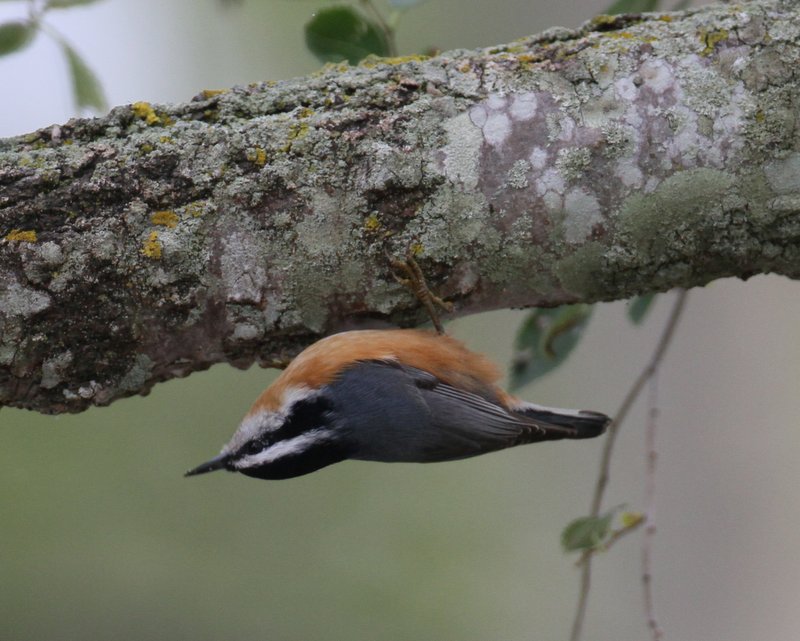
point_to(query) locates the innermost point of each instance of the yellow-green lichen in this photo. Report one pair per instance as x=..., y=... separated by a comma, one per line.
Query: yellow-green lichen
x=711, y=38
x=152, y=246
x=305, y=112
x=297, y=131
x=604, y=21
x=165, y=218
x=195, y=209
x=257, y=155
x=529, y=58
x=210, y=115
x=331, y=67
x=372, y=223
x=518, y=46
x=373, y=61
x=146, y=112
x=210, y=93
x=21, y=236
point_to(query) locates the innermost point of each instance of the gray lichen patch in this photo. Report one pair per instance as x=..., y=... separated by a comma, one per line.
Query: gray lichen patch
x=243, y=267
x=453, y=221
x=572, y=163
x=461, y=156
x=517, y=177
x=137, y=374
x=390, y=167
x=577, y=272
x=17, y=300
x=55, y=369
x=678, y=199
x=582, y=213
x=783, y=174
x=329, y=230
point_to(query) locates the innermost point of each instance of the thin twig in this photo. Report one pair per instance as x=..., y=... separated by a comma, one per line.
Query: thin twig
x=608, y=448
x=633, y=394
x=650, y=511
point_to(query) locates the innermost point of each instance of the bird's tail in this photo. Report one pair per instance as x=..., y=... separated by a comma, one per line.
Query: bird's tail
x=562, y=423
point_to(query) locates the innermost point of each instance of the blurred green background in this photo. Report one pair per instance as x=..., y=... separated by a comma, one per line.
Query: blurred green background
x=101, y=537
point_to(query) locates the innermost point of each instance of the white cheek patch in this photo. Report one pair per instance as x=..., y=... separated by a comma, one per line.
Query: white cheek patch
x=281, y=449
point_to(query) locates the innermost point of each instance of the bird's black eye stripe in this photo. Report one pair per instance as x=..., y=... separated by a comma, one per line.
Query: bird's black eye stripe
x=304, y=415
x=253, y=447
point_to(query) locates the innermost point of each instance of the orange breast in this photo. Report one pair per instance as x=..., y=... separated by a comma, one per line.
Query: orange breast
x=442, y=356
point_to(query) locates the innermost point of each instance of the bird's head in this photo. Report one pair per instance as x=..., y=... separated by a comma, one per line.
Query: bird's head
x=293, y=439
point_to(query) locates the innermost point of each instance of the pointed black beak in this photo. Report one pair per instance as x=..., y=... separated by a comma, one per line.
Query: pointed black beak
x=219, y=463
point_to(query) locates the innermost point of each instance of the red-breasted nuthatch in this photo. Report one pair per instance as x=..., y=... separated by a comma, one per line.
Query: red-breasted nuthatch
x=387, y=395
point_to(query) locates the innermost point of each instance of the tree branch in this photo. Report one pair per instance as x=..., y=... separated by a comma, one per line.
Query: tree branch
x=634, y=154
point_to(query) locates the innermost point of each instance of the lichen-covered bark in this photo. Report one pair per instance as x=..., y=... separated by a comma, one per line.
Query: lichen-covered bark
x=635, y=154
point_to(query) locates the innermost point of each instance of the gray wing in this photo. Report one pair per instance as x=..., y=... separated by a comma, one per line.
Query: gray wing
x=480, y=424
x=399, y=413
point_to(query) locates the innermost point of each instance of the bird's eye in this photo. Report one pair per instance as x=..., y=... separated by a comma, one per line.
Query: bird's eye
x=253, y=447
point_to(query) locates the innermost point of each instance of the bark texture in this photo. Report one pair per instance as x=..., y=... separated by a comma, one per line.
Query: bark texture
x=638, y=153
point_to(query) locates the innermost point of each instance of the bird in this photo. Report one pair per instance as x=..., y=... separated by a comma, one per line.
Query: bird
x=394, y=395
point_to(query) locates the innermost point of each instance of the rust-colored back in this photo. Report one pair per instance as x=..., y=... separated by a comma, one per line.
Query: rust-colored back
x=443, y=356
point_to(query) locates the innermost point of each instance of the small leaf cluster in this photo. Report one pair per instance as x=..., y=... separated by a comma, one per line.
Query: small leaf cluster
x=595, y=533
x=344, y=33
x=547, y=336
x=347, y=33
x=15, y=35
x=545, y=339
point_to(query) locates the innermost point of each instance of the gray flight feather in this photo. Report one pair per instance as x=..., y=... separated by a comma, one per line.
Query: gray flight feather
x=421, y=419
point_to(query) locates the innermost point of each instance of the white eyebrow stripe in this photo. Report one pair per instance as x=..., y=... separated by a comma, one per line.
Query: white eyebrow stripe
x=280, y=449
x=265, y=422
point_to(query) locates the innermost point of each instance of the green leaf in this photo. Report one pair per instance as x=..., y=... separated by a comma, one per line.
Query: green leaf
x=341, y=33
x=639, y=306
x=545, y=339
x=65, y=4
x=587, y=532
x=15, y=36
x=86, y=87
x=631, y=6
